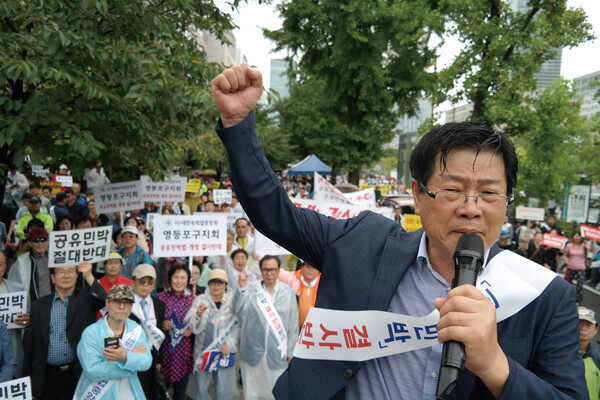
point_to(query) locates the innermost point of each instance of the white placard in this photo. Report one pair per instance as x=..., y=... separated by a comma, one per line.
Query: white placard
x=579, y=204
x=530, y=213
x=231, y=218
x=221, y=196
x=324, y=191
x=39, y=170
x=169, y=189
x=263, y=246
x=150, y=220
x=190, y=235
x=12, y=304
x=68, y=248
x=339, y=210
x=363, y=197
x=65, y=181
x=16, y=389
x=122, y=196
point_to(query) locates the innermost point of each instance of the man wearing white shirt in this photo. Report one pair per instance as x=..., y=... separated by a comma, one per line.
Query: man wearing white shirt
x=143, y=282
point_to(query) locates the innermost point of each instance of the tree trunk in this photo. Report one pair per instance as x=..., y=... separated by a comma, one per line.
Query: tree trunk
x=333, y=179
x=354, y=176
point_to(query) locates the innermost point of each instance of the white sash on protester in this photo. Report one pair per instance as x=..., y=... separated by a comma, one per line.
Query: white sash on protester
x=97, y=389
x=273, y=319
x=509, y=281
x=216, y=344
x=155, y=335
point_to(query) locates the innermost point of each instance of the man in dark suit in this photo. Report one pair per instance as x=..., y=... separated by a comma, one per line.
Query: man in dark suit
x=57, y=321
x=463, y=178
x=153, y=311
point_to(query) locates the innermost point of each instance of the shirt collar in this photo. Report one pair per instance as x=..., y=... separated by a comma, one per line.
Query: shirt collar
x=423, y=256
x=138, y=299
x=56, y=296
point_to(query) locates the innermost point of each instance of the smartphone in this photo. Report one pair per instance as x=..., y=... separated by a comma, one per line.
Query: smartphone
x=111, y=341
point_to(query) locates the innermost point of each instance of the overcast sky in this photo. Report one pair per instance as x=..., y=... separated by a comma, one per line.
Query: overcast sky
x=251, y=17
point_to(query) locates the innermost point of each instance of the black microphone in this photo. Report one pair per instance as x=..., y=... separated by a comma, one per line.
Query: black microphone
x=468, y=258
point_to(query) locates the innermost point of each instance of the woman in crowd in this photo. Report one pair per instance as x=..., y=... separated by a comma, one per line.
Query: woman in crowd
x=536, y=252
x=65, y=223
x=195, y=287
x=575, y=263
x=176, y=351
x=92, y=207
x=212, y=322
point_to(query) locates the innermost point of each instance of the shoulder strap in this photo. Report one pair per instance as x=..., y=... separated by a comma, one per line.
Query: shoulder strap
x=141, y=256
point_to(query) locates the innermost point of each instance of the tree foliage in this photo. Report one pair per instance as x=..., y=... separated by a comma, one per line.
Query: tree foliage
x=123, y=81
x=359, y=66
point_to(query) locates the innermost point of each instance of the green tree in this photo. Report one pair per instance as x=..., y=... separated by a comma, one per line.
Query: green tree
x=359, y=66
x=503, y=48
x=118, y=80
x=552, y=139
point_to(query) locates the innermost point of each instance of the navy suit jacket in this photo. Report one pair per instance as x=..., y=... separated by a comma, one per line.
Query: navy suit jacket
x=363, y=260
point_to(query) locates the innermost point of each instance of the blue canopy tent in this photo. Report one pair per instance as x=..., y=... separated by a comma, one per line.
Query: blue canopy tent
x=310, y=165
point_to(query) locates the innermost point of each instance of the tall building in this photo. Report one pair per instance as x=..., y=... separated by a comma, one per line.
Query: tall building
x=459, y=113
x=279, y=79
x=218, y=51
x=590, y=106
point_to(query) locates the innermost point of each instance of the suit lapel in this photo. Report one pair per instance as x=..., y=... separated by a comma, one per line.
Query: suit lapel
x=72, y=308
x=45, y=310
x=398, y=255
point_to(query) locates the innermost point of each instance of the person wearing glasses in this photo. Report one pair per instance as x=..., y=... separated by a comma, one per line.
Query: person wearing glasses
x=269, y=313
x=463, y=177
x=56, y=324
x=31, y=268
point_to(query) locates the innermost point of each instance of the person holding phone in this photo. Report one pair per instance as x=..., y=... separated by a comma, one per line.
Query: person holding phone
x=112, y=351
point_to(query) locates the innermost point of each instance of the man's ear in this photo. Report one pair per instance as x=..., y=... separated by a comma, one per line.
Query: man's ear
x=416, y=192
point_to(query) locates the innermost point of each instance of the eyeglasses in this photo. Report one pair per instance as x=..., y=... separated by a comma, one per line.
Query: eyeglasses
x=65, y=273
x=145, y=282
x=216, y=283
x=39, y=240
x=269, y=270
x=489, y=202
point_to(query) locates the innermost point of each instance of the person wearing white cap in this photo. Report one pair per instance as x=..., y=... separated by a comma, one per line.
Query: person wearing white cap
x=217, y=329
x=588, y=328
x=132, y=253
x=112, y=266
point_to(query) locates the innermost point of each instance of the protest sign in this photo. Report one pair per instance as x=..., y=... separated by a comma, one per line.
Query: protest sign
x=555, y=241
x=54, y=186
x=16, y=389
x=193, y=185
x=221, y=196
x=215, y=360
x=324, y=191
x=384, y=189
x=579, y=203
x=190, y=235
x=590, y=232
x=339, y=210
x=12, y=304
x=263, y=246
x=122, y=196
x=40, y=171
x=65, y=180
x=169, y=189
x=150, y=220
x=69, y=248
x=412, y=222
x=530, y=213
x=364, y=197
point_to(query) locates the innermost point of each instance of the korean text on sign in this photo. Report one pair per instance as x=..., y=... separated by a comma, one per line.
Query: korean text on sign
x=121, y=196
x=16, y=389
x=12, y=304
x=69, y=248
x=190, y=235
x=170, y=189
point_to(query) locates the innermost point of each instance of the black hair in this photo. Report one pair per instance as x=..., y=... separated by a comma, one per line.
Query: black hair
x=236, y=251
x=209, y=201
x=26, y=195
x=60, y=196
x=34, y=185
x=242, y=219
x=63, y=217
x=269, y=257
x=85, y=218
x=35, y=223
x=69, y=191
x=437, y=144
x=179, y=267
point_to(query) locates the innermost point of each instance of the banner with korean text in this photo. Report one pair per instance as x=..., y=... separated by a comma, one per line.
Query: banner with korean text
x=169, y=189
x=190, y=235
x=12, y=304
x=555, y=241
x=65, y=180
x=326, y=192
x=122, y=196
x=529, y=213
x=589, y=232
x=68, y=248
x=16, y=389
x=339, y=210
x=221, y=196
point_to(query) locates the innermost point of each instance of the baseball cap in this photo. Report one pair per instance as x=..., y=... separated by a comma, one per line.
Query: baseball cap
x=587, y=315
x=120, y=292
x=62, y=166
x=144, y=270
x=129, y=229
x=217, y=274
x=115, y=256
x=37, y=233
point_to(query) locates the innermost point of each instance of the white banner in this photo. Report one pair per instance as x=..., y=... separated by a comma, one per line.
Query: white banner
x=221, y=196
x=263, y=246
x=324, y=191
x=150, y=220
x=509, y=281
x=69, y=248
x=340, y=211
x=190, y=235
x=579, y=204
x=231, y=218
x=39, y=170
x=364, y=198
x=530, y=213
x=12, y=304
x=169, y=189
x=65, y=180
x=16, y=389
x=122, y=196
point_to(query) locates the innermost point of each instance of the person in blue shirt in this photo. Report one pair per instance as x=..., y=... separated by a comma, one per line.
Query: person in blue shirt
x=7, y=357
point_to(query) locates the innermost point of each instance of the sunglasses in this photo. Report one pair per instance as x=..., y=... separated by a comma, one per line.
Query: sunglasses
x=140, y=223
x=39, y=240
